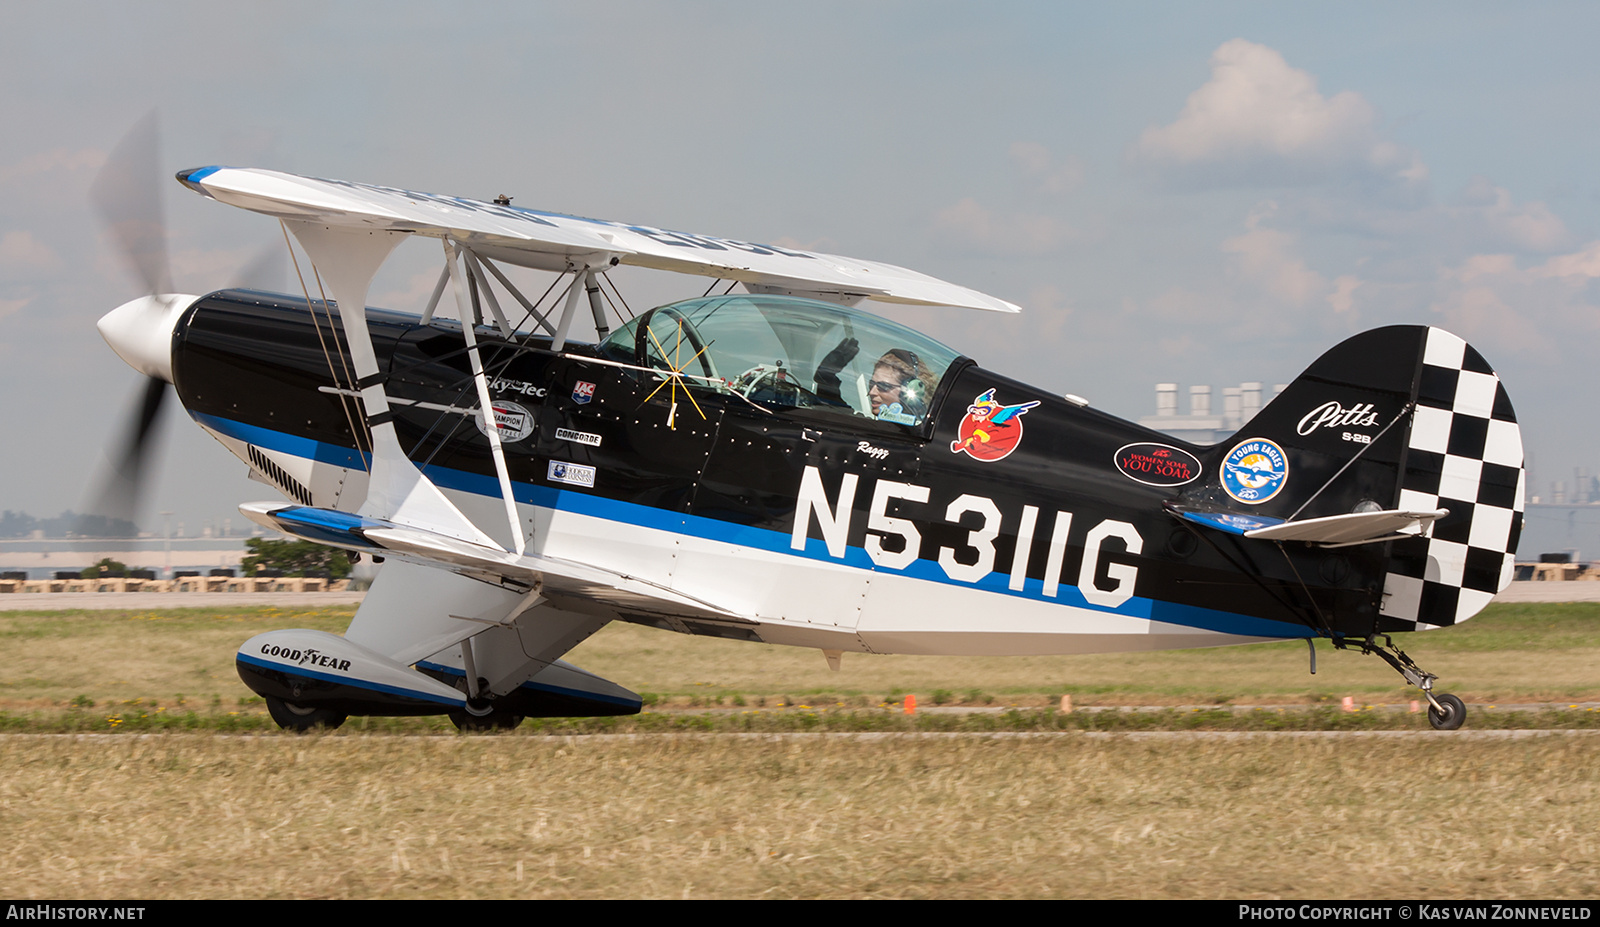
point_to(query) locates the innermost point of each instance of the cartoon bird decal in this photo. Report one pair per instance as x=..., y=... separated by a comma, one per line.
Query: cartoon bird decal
x=990, y=431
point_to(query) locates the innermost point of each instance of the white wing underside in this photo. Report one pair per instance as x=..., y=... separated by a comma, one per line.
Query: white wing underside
x=550, y=241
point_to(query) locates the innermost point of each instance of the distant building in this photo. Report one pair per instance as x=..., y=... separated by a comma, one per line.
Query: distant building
x=1203, y=424
x=42, y=558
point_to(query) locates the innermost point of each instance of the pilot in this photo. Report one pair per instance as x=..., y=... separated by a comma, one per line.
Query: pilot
x=899, y=379
x=897, y=392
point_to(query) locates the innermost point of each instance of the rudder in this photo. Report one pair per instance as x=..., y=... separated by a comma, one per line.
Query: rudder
x=1407, y=418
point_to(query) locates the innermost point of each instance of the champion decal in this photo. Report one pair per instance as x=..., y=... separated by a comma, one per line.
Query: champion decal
x=514, y=421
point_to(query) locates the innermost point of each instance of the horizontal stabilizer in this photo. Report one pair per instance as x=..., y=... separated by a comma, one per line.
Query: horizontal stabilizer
x=554, y=577
x=1330, y=531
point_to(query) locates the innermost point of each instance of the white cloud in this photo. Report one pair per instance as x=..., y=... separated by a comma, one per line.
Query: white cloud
x=1342, y=299
x=19, y=250
x=1526, y=227
x=81, y=161
x=1547, y=312
x=1265, y=257
x=1040, y=169
x=1260, y=121
x=1583, y=263
x=8, y=306
x=973, y=226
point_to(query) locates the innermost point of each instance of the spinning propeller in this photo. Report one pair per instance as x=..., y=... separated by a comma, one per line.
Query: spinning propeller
x=127, y=195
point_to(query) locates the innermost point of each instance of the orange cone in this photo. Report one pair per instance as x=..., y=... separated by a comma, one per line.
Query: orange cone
x=1349, y=703
x=911, y=704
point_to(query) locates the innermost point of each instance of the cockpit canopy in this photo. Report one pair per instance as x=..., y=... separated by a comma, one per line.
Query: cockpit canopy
x=781, y=351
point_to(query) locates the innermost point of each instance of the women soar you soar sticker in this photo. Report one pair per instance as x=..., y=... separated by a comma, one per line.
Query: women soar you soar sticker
x=1157, y=464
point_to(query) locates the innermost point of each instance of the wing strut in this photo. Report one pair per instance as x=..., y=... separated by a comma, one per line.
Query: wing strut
x=569, y=310
x=348, y=258
x=483, y=287
x=491, y=426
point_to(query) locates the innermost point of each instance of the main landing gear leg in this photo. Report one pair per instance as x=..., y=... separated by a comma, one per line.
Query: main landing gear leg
x=1446, y=712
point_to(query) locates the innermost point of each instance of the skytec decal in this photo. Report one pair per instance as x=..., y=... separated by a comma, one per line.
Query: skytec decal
x=1157, y=464
x=578, y=437
x=582, y=392
x=990, y=431
x=502, y=384
x=572, y=474
x=1333, y=415
x=514, y=421
x=1254, y=471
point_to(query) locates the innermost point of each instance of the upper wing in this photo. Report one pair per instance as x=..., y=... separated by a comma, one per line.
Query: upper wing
x=551, y=241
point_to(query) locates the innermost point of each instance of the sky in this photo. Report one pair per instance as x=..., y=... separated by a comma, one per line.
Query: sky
x=1199, y=193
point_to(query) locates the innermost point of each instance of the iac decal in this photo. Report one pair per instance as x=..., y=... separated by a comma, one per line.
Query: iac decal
x=1254, y=471
x=990, y=431
x=1157, y=464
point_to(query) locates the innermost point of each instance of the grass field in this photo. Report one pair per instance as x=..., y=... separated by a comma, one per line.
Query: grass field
x=173, y=662
x=1063, y=812
x=1422, y=817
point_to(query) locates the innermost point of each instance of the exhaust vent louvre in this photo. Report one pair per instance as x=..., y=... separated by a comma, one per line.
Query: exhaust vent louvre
x=266, y=467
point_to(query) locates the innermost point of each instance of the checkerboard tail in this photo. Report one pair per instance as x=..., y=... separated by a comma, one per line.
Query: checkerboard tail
x=1463, y=452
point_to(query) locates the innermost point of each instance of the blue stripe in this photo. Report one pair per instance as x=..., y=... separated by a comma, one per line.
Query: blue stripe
x=348, y=681
x=308, y=448
x=582, y=694
x=578, y=502
x=201, y=173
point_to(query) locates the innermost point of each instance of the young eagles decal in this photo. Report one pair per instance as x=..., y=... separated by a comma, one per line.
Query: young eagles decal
x=1254, y=471
x=990, y=430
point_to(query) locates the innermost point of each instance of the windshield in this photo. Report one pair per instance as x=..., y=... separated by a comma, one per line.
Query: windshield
x=780, y=351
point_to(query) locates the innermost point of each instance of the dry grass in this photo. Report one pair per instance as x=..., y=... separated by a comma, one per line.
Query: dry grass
x=828, y=817
x=1511, y=653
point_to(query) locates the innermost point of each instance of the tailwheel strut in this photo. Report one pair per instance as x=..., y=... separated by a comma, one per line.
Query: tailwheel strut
x=1446, y=712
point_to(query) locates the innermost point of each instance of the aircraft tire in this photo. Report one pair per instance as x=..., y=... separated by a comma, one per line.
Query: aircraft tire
x=495, y=720
x=1453, y=716
x=292, y=717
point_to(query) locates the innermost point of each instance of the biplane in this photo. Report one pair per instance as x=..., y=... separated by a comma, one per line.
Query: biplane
x=770, y=462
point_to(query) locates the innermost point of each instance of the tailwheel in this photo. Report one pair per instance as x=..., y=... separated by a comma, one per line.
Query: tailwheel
x=1447, y=713
x=302, y=718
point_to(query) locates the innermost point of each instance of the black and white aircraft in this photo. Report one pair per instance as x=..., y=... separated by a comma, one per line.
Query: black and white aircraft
x=778, y=465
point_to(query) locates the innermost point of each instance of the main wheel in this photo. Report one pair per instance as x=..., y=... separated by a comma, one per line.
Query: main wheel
x=292, y=717
x=495, y=720
x=1453, y=715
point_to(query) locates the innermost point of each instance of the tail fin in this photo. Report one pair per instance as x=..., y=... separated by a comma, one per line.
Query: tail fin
x=1409, y=418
